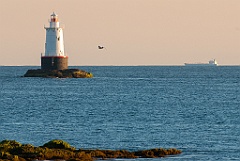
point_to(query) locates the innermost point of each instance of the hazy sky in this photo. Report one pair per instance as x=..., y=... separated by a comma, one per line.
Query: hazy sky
x=135, y=32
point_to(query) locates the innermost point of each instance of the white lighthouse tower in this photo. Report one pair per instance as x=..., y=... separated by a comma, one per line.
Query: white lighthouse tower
x=54, y=57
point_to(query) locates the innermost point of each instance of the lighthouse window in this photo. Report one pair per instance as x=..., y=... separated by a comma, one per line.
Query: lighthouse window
x=58, y=38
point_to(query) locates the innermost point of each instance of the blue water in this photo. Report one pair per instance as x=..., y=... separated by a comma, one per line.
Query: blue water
x=194, y=109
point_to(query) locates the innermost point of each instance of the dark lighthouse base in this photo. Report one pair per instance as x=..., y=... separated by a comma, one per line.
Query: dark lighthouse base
x=54, y=62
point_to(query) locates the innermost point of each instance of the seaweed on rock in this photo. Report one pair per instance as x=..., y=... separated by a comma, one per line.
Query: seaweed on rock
x=58, y=144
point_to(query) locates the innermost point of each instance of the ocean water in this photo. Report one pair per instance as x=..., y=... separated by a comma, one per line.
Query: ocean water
x=194, y=109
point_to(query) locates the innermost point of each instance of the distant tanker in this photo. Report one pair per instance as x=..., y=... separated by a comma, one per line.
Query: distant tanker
x=210, y=63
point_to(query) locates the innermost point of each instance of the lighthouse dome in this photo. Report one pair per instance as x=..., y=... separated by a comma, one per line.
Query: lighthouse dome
x=53, y=14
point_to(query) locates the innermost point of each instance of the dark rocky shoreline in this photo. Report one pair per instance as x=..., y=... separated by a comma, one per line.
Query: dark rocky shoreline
x=66, y=73
x=11, y=150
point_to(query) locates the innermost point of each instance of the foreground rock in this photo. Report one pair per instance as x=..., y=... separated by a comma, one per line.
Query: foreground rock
x=67, y=73
x=61, y=150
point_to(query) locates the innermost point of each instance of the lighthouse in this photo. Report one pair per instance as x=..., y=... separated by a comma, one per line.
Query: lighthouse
x=54, y=62
x=54, y=57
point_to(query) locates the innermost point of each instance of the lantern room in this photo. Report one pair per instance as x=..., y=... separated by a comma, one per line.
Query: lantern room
x=54, y=23
x=54, y=17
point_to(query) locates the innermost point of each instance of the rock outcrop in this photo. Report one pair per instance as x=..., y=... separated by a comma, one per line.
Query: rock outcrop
x=10, y=150
x=67, y=73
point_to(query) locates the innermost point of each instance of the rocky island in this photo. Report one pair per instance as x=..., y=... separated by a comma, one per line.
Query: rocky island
x=65, y=73
x=11, y=150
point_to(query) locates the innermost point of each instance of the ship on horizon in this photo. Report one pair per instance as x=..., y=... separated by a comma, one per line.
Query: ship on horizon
x=210, y=63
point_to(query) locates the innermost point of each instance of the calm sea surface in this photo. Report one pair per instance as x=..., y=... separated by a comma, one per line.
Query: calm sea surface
x=195, y=109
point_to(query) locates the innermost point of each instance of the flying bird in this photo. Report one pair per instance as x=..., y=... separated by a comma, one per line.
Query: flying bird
x=101, y=47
